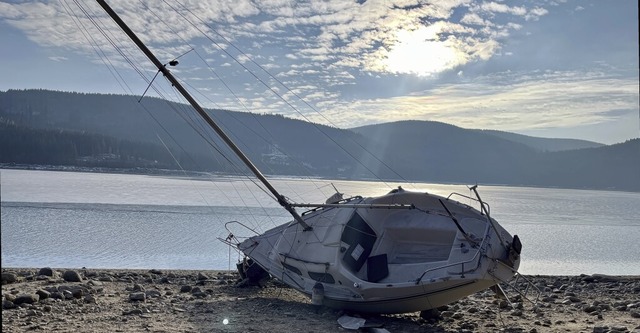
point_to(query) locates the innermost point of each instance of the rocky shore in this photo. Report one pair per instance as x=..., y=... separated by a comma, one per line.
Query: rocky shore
x=101, y=300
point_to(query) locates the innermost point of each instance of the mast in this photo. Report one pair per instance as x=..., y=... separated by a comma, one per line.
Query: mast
x=162, y=68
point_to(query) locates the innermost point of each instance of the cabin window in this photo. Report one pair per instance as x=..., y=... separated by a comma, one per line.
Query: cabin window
x=360, y=238
x=292, y=268
x=322, y=277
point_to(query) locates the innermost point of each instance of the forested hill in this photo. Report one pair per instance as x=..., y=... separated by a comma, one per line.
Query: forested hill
x=455, y=154
x=60, y=128
x=127, y=122
x=544, y=144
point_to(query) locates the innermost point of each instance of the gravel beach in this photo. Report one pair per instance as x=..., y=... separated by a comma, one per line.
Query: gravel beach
x=117, y=300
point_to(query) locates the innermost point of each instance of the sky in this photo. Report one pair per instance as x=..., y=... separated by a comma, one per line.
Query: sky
x=559, y=69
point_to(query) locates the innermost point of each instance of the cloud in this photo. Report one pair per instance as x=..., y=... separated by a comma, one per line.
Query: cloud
x=502, y=8
x=506, y=101
x=364, y=62
x=59, y=58
x=394, y=37
x=535, y=13
x=474, y=19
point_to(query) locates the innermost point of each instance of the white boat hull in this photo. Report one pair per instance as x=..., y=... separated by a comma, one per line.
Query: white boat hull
x=388, y=261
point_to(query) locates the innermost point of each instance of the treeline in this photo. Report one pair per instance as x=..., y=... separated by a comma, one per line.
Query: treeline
x=24, y=145
x=94, y=130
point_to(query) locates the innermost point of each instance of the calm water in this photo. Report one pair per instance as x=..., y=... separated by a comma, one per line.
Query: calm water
x=74, y=219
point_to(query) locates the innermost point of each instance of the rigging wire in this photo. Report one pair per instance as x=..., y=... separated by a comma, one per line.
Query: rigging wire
x=129, y=60
x=94, y=45
x=287, y=89
x=255, y=76
x=271, y=143
x=192, y=123
x=230, y=113
x=264, y=83
x=197, y=121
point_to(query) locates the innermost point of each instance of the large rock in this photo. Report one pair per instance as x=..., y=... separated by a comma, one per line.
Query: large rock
x=76, y=291
x=26, y=298
x=9, y=297
x=6, y=304
x=71, y=276
x=432, y=314
x=138, y=296
x=58, y=295
x=43, y=294
x=67, y=294
x=106, y=278
x=9, y=277
x=590, y=308
x=46, y=271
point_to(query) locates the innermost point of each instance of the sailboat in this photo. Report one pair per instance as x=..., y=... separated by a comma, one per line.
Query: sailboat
x=403, y=251
x=400, y=252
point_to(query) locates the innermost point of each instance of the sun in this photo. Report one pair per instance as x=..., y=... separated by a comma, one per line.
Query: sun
x=421, y=52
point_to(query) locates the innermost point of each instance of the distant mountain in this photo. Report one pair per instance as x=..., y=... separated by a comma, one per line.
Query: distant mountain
x=434, y=151
x=544, y=144
x=441, y=152
x=607, y=167
x=262, y=137
x=49, y=127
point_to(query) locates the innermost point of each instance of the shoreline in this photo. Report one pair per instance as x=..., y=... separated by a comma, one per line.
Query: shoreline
x=233, y=271
x=152, y=300
x=204, y=175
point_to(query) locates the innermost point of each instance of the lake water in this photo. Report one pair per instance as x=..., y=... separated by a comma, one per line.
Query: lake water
x=99, y=220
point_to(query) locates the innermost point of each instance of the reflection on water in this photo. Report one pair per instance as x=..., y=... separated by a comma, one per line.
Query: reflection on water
x=71, y=219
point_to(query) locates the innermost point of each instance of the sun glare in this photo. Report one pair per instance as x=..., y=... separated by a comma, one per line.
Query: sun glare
x=420, y=52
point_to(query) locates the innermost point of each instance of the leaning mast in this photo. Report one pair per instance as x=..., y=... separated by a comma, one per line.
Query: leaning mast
x=162, y=68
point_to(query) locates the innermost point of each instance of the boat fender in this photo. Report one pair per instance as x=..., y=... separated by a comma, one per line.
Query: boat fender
x=515, y=248
x=516, y=245
x=317, y=294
